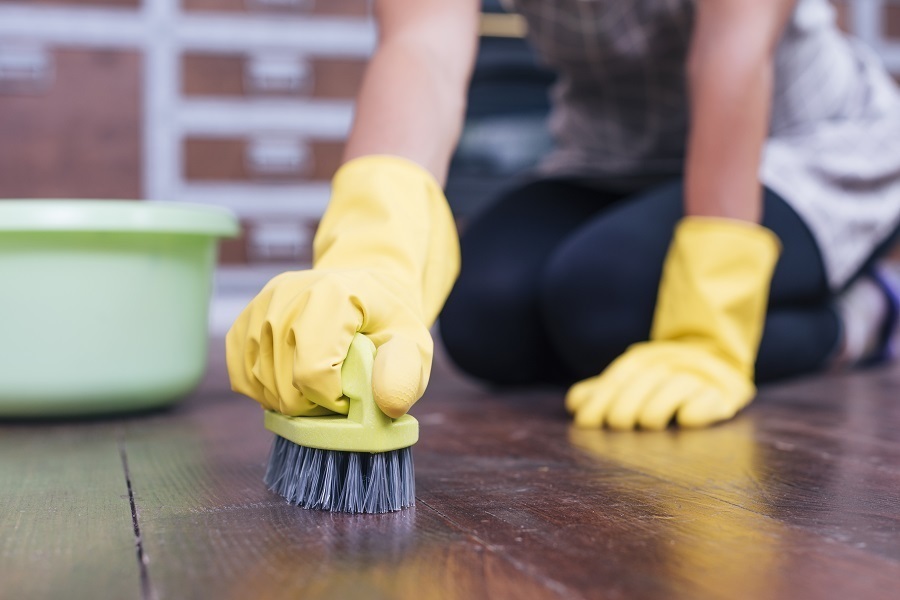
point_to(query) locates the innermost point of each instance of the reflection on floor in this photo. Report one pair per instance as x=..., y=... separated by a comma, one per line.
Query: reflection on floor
x=797, y=498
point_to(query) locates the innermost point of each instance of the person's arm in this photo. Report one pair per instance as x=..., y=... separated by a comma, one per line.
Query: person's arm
x=698, y=365
x=730, y=78
x=386, y=252
x=412, y=101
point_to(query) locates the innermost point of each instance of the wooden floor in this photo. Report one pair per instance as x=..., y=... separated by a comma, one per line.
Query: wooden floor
x=797, y=498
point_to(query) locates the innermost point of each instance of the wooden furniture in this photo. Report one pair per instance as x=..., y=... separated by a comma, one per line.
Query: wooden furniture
x=239, y=103
x=73, y=130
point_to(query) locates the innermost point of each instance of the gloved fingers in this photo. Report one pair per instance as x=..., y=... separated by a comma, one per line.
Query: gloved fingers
x=615, y=374
x=273, y=369
x=579, y=394
x=319, y=336
x=400, y=373
x=626, y=407
x=240, y=355
x=593, y=412
x=270, y=401
x=263, y=369
x=249, y=345
x=660, y=409
x=287, y=347
x=603, y=390
x=242, y=352
x=708, y=407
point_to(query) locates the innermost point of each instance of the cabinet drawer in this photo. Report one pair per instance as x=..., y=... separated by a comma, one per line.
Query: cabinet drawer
x=76, y=3
x=281, y=76
x=274, y=159
x=287, y=241
x=74, y=130
x=350, y=8
x=233, y=251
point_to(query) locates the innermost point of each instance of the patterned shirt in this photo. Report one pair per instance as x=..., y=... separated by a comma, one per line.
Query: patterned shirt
x=621, y=113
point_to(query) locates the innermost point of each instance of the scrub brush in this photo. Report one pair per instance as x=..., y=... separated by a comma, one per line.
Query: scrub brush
x=357, y=463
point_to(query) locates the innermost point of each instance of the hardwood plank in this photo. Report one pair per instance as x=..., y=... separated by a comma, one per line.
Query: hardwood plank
x=861, y=404
x=822, y=453
x=794, y=499
x=593, y=523
x=825, y=494
x=210, y=527
x=65, y=518
x=514, y=502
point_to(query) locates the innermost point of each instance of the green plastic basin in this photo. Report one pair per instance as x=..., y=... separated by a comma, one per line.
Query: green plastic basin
x=103, y=304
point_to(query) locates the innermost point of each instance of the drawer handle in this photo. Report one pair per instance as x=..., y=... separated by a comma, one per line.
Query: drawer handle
x=277, y=73
x=25, y=68
x=280, y=4
x=286, y=241
x=267, y=156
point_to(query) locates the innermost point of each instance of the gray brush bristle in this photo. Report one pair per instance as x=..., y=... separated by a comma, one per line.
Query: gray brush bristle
x=354, y=482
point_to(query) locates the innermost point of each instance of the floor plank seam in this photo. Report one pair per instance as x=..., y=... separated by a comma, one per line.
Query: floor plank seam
x=552, y=584
x=147, y=592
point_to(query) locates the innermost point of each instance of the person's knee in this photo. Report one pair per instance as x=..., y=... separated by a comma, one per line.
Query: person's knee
x=597, y=299
x=482, y=322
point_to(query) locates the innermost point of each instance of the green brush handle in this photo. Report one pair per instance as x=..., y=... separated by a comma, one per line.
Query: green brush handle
x=365, y=428
x=356, y=383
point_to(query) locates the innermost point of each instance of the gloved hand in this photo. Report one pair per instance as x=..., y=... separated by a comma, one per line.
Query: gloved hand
x=384, y=259
x=698, y=365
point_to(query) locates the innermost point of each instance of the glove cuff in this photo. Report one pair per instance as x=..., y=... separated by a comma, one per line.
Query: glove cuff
x=389, y=214
x=715, y=287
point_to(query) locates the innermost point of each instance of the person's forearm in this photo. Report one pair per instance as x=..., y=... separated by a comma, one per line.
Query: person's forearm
x=730, y=86
x=729, y=110
x=409, y=106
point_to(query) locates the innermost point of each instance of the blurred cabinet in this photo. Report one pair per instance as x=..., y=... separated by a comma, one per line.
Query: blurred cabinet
x=355, y=8
x=246, y=104
x=70, y=122
x=271, y=159
x=240, y=103
x=80, y=3
x=268, y=74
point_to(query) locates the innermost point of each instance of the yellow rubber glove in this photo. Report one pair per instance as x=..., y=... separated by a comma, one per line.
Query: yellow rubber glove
x=698, y=365
x=384, y=259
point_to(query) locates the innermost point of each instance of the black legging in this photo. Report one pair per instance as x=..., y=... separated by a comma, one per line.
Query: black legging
x=558, y=279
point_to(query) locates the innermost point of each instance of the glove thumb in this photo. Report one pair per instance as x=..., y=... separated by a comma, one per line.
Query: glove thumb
x=399, y=376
